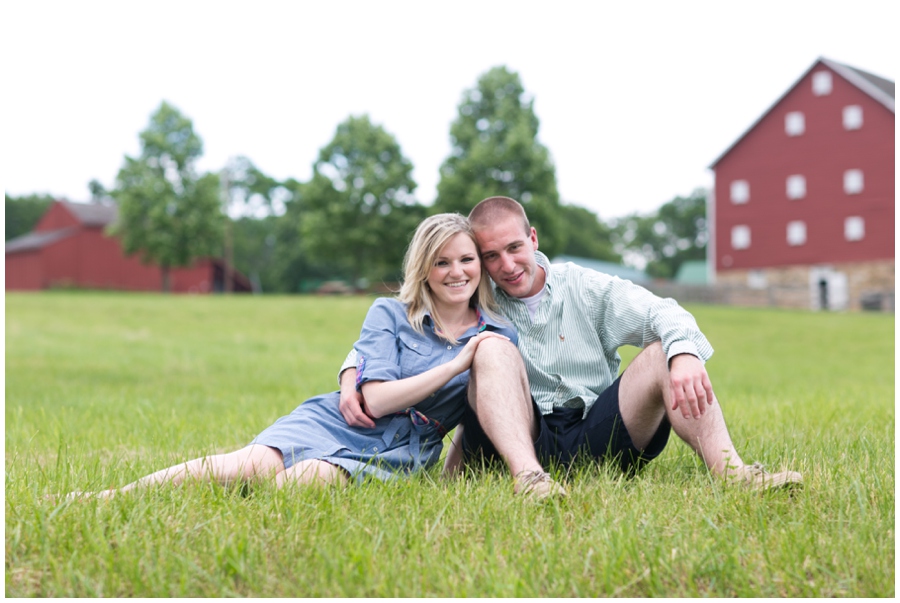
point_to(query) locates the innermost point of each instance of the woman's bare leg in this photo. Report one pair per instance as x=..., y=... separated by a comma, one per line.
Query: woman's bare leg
x=313, y=473
x=240, y=465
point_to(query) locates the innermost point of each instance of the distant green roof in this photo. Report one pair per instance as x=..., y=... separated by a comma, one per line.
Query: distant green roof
x=631, y=274
x=692, y=272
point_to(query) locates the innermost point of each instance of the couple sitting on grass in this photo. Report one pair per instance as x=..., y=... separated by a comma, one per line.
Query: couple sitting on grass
x=528, y=376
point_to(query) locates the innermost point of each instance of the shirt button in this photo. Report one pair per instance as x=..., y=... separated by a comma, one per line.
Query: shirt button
x=415, y=345
x=449, y=347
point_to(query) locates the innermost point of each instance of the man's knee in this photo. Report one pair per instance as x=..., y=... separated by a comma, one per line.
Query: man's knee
x=495, y=352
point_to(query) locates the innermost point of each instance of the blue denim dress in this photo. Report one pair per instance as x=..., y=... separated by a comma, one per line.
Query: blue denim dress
x=389, y=349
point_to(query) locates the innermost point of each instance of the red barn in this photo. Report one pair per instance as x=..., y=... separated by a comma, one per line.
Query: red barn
x=69, y=248
x=804, y=200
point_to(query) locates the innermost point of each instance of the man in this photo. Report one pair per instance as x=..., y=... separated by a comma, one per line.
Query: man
x=558, y=395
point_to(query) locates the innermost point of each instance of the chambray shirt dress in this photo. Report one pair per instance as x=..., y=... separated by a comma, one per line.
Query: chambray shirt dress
x=389, y=349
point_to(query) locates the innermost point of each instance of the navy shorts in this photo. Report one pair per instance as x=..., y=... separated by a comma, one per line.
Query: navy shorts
x=564, y=435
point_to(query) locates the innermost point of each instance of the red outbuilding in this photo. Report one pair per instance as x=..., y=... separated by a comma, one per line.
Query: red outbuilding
x=70, y=248
x=804, y=200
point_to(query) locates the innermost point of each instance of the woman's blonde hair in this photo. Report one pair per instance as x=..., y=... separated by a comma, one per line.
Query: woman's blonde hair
x=430, y=237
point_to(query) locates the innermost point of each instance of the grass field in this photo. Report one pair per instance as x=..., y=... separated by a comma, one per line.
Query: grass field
x=103, y=388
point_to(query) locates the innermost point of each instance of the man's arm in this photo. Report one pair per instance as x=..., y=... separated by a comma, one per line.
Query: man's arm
x=630, y=314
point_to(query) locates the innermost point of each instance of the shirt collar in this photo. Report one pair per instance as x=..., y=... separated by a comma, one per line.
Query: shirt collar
x=483, y=321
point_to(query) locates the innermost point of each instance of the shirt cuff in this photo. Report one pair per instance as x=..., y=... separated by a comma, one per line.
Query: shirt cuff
x=376, y=370
x=349, y=362
x=683, y=347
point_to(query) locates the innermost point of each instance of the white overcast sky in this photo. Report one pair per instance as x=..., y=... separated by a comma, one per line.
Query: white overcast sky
x=635, y=99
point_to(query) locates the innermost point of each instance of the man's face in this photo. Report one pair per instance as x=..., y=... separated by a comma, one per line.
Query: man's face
x=507, y=252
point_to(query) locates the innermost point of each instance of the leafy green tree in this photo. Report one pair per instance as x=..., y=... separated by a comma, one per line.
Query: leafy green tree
x=254, y=203
x=357, y=212
x=23, y=213
x=667, y=238
x=167, y=212
x=99, y=194
x=585, y=235
x=495, y=151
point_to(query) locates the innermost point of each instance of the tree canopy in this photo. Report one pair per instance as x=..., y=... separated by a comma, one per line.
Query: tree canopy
x=665, y=239
x=495, y=151
x=23, y=213
x=358, y=210
x=586, y=235
x=167, y=212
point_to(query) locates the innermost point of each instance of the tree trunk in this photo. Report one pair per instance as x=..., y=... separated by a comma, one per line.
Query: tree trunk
x=229, y=256
x=165, y=278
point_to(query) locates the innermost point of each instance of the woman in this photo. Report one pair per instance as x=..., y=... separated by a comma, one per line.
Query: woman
x=414, y=356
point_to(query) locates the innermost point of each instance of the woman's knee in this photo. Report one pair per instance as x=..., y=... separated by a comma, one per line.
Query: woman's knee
x=257, y=459
x=313, y=473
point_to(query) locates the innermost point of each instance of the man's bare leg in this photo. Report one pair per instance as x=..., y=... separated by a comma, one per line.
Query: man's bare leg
x=501, y=398
x=645, y=397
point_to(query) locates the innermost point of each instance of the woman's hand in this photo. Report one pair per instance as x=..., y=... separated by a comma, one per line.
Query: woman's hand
x=464, y=360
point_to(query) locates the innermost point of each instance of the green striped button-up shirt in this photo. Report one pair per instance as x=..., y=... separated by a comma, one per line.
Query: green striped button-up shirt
x=570, y=346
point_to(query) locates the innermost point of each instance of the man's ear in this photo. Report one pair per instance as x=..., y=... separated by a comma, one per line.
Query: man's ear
x=534, y=238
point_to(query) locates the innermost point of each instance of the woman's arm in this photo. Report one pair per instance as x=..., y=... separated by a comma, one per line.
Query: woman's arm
x=386, y=397
x=352, y=405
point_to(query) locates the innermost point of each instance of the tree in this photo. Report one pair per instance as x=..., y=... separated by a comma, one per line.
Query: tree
x=254, y=201
x=99, y=194
x=357, y=212
x=23, y=213
x=664, y=240
x=167, y=212
x=495, y=152
x=586, y=235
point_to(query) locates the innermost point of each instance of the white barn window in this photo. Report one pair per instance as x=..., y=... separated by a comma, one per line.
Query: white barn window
x=853, y=182
x=821, y=83
x=740, y=191
x=794, y=123
x=854, y=228
x=796, y=232
x=740, y=237
x=796, y=186
x=853, y=117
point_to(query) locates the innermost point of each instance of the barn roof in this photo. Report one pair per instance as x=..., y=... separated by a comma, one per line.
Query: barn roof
x=92, y=214
x=879, y=88
x=38, y=240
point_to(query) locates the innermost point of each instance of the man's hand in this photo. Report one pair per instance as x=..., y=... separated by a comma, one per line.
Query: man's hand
x=691, y=387
x=352, y=404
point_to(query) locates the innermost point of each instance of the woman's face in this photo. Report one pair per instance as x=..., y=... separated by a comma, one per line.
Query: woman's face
x=456, y=272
